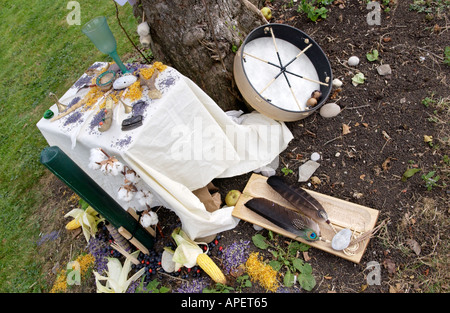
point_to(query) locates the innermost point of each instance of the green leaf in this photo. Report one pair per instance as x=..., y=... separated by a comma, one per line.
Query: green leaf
x=358, y=79
x=297, y=246
x=307, y=281
x=164, y=289
x=275, y=265
x=248, y=283
x=288, y=279
x=298, y=264
x=260, y=241
x=373, y=56
x=409, y=173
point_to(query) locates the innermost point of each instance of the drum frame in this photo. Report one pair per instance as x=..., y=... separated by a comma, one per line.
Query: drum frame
x=301, y=41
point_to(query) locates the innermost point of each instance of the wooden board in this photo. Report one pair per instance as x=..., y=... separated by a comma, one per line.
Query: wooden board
x=342, y=214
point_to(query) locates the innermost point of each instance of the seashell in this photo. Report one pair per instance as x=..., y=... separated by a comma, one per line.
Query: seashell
x=124, y=81
x=341, y=240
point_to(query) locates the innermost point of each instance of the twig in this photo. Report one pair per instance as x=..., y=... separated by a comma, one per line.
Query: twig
x=134, y=45
x=329, y=141
x=170, y=276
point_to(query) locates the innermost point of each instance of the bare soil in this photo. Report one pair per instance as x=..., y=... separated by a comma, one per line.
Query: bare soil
x=388, y=122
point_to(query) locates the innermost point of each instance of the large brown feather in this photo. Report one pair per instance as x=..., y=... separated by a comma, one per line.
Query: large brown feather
x=285, y=218
x=299, y=198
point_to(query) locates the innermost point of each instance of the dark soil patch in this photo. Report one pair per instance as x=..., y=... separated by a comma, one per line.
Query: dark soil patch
x=387, y=122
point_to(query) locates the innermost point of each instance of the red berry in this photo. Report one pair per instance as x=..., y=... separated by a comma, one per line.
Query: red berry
x=216, y=241
x=198, y=271
x=150, y=270
x=189, y=270
x=147, y=262
x=220, y=248
x=142, y=261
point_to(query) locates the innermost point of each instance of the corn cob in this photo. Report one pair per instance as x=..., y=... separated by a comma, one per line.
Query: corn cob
x=210, y=268
x=73, y=224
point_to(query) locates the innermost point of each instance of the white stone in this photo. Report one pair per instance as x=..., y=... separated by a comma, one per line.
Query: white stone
x=124, y=81
x=353, y=61
x=306, y=170
x=257, y=227
x=330, y=110
x=384, y=69
x=341, y=240
x=315, y=156
x=337, y=83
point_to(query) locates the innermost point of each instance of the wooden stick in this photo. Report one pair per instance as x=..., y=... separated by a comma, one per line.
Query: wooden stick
x=133, y=240
x=119, y=248
x=298, y=55
x=295, y=98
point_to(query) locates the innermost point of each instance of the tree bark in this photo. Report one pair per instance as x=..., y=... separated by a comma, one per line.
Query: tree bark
x=197, y=37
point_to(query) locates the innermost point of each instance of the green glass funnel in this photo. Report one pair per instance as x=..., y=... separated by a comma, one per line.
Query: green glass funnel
x=97, y=30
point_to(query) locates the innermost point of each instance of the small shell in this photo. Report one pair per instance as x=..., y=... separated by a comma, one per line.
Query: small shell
x=311, y=102
x=316, y=94
x=342, y=239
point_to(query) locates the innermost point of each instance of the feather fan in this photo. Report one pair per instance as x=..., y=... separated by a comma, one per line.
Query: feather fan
x=292, y=221
x=299, y=198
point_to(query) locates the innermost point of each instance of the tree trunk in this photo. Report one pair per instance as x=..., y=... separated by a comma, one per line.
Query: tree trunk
x=198, y=37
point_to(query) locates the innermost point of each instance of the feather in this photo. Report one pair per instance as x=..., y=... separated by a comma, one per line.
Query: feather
x=299, y=198
x=285, y=218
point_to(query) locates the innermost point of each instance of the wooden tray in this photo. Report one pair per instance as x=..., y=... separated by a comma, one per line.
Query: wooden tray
x=342, y=214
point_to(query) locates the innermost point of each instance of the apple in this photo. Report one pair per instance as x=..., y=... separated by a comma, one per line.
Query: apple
x=267, y=13
x=232, y=197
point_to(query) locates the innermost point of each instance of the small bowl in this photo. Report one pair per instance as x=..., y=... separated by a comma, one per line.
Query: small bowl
x=105, y=80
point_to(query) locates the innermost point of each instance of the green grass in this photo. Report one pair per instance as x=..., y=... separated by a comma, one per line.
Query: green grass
x=39, y=53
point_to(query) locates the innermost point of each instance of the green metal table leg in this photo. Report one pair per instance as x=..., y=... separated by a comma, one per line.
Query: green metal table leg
x=82, y=184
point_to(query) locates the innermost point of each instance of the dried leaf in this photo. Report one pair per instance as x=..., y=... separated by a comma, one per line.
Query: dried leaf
x=414, y=245
x=390, y=266
x=345, y=129
x=427, y=138
x=386, y=164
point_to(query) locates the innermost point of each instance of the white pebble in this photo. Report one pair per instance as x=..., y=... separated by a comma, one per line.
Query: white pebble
x=384, y=69
x=315, y=156
x=257, y=227
x=353, y=61
x=306, y=170
x=330, y=110
x=342, y=239
x=337, y=83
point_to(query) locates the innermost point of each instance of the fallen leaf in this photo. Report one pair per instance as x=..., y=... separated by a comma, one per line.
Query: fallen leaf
x=306, y=256
x=386, y=164
x=315, y=180
x=328, y=277
x=389, y=265
x=365, y=125
x=364, y=287
x=414, y=245
x=362, y=176
x=427, y=138
x=358, y=79
x=345, y=129
x=409, y=173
